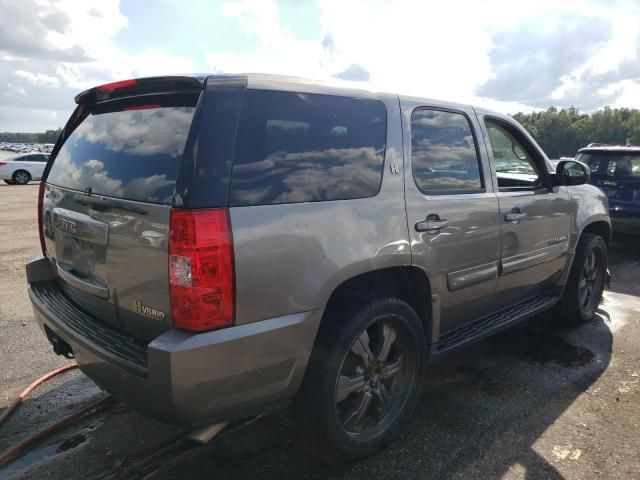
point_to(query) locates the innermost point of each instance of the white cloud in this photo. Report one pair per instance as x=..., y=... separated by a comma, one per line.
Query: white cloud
x=39, y=78
x=14, y=91
x=51, y=49
x=438, y=50
x=80, y=37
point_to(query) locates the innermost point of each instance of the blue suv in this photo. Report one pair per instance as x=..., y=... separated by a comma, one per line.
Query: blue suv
x=616, y=170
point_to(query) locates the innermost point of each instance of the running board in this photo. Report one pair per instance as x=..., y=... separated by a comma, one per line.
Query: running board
x=485, y=326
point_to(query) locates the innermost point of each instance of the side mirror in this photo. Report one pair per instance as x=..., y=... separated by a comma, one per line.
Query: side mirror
x=572, y=172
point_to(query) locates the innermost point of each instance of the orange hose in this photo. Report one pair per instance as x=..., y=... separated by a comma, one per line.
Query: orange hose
x=27, y=390
x=50, y=429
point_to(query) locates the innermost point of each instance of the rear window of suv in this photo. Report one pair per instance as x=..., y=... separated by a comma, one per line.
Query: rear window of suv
x=295, y=147
x=132, y=153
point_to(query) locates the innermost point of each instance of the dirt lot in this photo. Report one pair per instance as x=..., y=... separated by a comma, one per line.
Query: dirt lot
x=532, y=402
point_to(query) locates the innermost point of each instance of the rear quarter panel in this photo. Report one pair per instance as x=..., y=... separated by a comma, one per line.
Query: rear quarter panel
x=289, y=258
x=6, y=171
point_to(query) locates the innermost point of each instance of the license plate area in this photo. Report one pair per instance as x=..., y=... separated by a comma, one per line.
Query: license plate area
x=81, y=244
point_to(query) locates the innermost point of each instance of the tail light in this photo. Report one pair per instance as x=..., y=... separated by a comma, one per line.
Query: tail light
x=201, y=270
x=43, y=246
x=2, y=164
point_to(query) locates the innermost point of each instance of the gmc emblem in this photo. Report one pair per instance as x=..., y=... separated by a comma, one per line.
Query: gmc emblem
x=67, y=225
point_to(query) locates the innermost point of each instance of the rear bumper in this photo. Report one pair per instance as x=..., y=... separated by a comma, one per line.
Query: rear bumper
x=191, y=378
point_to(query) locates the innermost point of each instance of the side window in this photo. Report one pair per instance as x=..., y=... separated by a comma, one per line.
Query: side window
x=42, y=158
x=515, y=166
x=295, y=147
x=594, y=164
x=444, y=158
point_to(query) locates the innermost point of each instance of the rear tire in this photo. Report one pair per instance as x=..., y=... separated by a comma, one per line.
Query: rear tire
x=363, y=379
x=586, y=281
x=21, y=177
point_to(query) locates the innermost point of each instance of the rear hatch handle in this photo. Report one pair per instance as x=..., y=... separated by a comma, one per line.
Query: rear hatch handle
x=85, y=284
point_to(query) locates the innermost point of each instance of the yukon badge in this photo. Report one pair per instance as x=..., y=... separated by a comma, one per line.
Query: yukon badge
x=147, y=311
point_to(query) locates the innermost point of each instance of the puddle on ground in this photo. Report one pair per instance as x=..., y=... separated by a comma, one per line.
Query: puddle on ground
x=541, y=347
x=35, y=456
x=71, y=442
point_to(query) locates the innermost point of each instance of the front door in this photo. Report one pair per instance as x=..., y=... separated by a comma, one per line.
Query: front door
x=535, y=216
x=452, y=212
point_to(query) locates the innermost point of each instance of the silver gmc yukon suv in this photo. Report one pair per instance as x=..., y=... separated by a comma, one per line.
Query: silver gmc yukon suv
x=215, y=247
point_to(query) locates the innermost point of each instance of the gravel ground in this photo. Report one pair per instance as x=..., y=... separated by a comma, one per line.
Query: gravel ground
x=532, y=402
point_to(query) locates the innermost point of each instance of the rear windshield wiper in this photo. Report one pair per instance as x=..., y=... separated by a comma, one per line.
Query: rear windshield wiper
x=108, y=203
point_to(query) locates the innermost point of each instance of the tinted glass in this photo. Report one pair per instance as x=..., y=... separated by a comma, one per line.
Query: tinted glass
x=515, y=167
x=443, y=152
x=295, y=147
x=617, y=166
x=133, y=154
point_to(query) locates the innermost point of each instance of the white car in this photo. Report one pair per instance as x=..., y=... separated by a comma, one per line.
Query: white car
x=21, y=169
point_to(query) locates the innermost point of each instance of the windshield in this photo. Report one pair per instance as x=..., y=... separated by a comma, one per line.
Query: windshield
x=134, y=153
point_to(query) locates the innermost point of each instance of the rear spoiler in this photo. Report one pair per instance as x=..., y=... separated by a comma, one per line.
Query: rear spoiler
x=141, y=86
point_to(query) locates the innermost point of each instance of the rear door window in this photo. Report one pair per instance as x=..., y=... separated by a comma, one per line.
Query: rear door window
x=129, y=152
x=444, y=157
x=295, y=147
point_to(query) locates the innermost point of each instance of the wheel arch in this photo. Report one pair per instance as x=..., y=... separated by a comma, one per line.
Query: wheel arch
x=409, y=283
x=600, y=228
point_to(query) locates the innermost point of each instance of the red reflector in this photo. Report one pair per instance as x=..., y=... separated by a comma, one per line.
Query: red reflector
x=43, y=246
x=110, y=87
x=142, y=107
x=201, y=271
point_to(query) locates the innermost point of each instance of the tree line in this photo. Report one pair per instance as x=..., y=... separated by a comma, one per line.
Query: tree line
x=561, y=132
x=50, y=136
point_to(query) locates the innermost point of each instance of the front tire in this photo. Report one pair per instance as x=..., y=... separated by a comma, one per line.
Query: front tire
x=586, y=282
x=363, y=379
x=21, y=177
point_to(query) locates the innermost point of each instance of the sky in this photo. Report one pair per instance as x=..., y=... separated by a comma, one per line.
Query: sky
x=502, y=54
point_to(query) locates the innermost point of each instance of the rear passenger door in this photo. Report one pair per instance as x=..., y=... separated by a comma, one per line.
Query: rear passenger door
x=452, y=212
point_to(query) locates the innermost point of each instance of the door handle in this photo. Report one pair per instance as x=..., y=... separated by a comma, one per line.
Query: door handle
x=432, y=224
x=515, y=216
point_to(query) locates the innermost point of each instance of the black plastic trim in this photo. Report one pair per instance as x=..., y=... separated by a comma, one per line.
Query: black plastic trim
x=127, y=351
x=483, y=327
x=205, y=172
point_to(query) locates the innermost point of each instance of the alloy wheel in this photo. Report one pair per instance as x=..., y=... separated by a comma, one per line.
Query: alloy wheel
x=21, y=178
x=375, y=378
x=592, y=279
